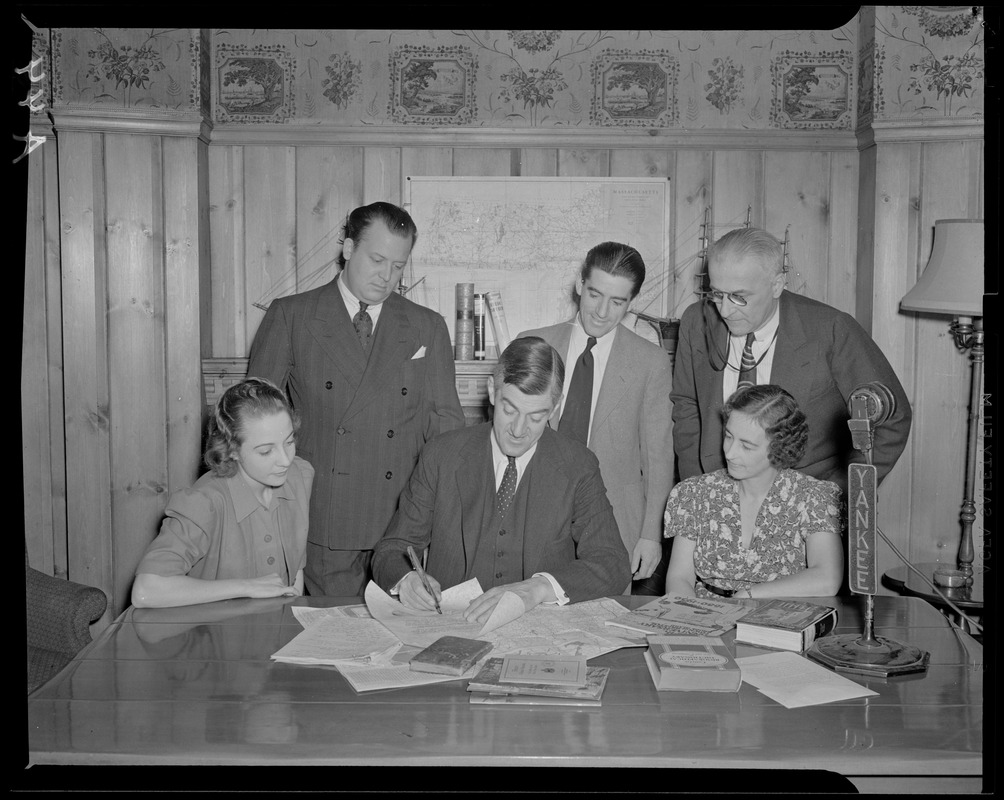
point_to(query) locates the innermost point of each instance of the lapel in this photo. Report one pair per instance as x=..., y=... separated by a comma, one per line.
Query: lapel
x=474, y=466
x=542, y=509
x=562, y=336
x=394, y=342
x=331, y=327
x=620, y=365
x=709, y=383
x=794, y=353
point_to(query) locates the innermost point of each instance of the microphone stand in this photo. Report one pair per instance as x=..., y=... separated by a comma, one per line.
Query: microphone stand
x=867, y=654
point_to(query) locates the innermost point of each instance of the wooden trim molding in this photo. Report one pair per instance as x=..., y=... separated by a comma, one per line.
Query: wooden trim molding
x=931, y=130
x=565, y=138
x=118, y=120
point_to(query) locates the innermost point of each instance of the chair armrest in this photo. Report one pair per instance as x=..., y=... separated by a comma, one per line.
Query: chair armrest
x=59, y=612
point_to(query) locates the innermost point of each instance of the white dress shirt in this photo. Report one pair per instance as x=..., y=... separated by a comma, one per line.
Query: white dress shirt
x=352, y=303
x=763, y=346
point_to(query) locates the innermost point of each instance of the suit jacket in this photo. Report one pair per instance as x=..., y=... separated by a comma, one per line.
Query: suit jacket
x=569, y=529
x=631, y=429
x=363, y=421
x=821, y=356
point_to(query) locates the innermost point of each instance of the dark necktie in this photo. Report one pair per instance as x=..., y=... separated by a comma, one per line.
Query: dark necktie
x=575, y=417
x=747, y=369
x=363, y=325
x=508, y=486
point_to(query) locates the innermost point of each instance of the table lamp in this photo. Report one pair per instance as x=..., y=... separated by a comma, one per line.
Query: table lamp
x=952, y=285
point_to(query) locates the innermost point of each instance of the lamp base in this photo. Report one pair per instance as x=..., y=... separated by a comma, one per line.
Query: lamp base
x=882, y=658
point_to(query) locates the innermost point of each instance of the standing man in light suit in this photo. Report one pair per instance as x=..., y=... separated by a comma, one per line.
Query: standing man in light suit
x=622, y=412
x=372, y=376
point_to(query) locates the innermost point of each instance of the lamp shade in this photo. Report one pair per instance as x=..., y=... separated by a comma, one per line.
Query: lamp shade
x=952, y=282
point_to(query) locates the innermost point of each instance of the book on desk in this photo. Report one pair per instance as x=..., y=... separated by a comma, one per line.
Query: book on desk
x=786, y=624
x=489, y=682
x=692, y=664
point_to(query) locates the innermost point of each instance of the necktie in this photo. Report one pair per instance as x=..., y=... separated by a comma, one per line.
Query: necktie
x=747, y=369
x=363, y=325
x=508, y=486
x=575, y=417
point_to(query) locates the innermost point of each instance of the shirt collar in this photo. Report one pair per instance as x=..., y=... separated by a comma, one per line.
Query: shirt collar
x=766, y=332
x=580, y=337
x=351, y=301
x=498, y=457
x=245, y=503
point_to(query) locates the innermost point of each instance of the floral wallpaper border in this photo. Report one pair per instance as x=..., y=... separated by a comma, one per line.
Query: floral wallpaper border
x=254, y=84
x=433, y=85
x=634, y=88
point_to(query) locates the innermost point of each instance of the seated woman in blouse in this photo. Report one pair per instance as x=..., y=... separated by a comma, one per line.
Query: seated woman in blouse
x=757, y=528
x=241, y=530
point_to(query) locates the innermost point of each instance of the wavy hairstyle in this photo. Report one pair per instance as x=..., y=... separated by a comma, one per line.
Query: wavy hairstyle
x=251, y=398
x=754, y=242
x=397, y=220
x=619, y=260
x=778, y=414
x=532, y=366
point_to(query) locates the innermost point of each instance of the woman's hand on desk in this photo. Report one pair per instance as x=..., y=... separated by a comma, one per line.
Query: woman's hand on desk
x=413, y=594
x=270, y=586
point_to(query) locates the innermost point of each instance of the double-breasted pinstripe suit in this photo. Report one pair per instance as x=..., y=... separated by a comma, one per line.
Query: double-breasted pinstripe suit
x=364, y=420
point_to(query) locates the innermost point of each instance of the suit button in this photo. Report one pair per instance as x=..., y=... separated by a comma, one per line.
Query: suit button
x=271, y=560
x=389, y=475
x=268, y=537
x=498, y=574
x=404, y=390
x=340, y=431
x=502, y=532
x=390, y=434
x=328, y=384
x=500, y=554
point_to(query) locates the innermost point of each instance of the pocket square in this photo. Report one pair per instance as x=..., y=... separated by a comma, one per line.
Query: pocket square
x=420, y=353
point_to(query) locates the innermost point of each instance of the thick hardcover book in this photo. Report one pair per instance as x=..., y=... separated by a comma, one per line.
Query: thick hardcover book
x=450, y=655
x=488, y=680
x=786, y=624
x=480, y=336
x=463, y=331
x=692, y=664
x=487, y=699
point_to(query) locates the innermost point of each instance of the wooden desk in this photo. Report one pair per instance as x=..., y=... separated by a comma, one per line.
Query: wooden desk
x=195, y=685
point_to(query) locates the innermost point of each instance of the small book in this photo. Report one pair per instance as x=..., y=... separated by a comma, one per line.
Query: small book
x=786, y=624
x=692, y=664
x=450, y=655
x=499, y=322
x=562, y=671
x=483, y=698
x=480, y=337
x=488, y=680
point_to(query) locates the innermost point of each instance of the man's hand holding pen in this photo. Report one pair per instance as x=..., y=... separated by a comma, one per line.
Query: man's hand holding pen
x=414, y=595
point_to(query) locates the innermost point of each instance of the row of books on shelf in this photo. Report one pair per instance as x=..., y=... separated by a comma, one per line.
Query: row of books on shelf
x=470, y=334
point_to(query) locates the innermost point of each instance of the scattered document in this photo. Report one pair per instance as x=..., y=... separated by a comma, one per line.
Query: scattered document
x=794, y=681
x=307, y=616
x=422, y=628
x=331, y=640
x=395, y=672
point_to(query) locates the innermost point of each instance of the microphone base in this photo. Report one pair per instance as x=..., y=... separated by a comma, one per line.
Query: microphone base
x=880, y=658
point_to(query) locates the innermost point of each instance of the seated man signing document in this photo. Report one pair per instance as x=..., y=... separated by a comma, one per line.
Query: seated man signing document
x=512, y=503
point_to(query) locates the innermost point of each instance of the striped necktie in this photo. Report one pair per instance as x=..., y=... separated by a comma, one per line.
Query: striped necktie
x=747, y=369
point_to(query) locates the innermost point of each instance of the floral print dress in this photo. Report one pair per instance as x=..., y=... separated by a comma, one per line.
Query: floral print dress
x=705, y=509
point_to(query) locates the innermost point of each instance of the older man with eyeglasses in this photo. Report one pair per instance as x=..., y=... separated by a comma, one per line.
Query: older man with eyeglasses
x=751, y=330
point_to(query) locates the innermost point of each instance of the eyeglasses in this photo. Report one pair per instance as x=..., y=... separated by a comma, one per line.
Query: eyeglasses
x=718, y=297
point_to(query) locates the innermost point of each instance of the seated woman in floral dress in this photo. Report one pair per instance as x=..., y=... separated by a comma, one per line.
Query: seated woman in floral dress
x=757, y=528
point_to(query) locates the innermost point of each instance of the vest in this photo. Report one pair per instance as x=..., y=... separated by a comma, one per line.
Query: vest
x=498, y=558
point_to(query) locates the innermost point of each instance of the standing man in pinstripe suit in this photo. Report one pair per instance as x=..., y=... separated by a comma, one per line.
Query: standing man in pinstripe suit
x=372, y=376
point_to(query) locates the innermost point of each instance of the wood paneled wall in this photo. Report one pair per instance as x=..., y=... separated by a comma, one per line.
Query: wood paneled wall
x=276, y=211
x=149, y=251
